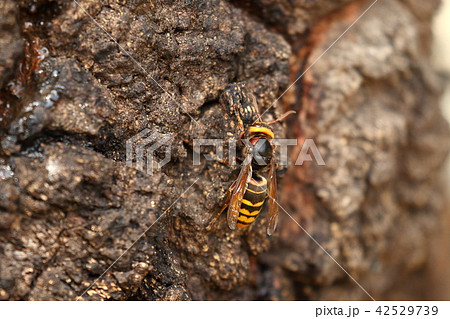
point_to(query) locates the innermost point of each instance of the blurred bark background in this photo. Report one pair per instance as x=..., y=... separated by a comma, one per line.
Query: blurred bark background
x=441, y=62
x=70, y=98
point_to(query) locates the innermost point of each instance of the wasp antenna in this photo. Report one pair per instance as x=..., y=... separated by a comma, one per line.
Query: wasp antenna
x=282, y=117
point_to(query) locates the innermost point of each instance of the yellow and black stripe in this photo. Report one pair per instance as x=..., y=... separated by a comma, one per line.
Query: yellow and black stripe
x=253, y=200
x=260, y=130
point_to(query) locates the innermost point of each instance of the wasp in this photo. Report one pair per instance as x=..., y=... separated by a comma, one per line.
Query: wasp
x=249, y=192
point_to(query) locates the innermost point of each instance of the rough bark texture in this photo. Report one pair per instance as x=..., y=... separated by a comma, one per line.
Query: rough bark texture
x=71, y=98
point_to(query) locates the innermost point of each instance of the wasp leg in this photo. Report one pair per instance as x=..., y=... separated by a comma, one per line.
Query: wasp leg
x=216, y=217
x=239, y=120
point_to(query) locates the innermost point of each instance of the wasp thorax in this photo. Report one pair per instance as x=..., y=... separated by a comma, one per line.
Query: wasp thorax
x=262, y=152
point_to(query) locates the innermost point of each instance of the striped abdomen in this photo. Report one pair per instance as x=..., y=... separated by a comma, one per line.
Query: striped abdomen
x=253, y=200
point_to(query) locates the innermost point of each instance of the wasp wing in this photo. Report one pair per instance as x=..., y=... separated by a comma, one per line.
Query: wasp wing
x=273, y=201
x=238, y=191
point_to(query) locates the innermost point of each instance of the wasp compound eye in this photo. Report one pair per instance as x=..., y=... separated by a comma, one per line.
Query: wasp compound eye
x=262, y=152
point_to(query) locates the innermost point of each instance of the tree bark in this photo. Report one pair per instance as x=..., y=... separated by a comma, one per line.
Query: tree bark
x=76, y=221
